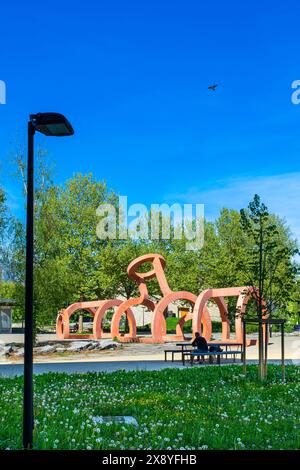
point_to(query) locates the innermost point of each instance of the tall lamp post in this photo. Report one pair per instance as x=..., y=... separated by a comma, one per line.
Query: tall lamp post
x=51, y=124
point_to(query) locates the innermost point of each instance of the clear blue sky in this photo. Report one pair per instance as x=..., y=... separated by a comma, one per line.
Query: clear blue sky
x=132, y=78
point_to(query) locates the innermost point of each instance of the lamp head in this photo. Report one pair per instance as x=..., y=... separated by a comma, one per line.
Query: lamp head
x=52, y=124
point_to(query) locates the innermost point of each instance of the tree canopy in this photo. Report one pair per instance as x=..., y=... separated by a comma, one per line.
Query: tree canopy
x=73, y=264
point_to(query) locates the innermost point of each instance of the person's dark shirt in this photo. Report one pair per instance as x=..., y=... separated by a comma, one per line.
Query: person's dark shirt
x=200, y=343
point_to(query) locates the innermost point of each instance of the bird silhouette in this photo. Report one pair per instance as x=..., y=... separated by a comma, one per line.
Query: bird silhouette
x=213, y=87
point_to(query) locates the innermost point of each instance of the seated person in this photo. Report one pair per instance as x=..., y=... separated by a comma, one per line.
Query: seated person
x=200, y=344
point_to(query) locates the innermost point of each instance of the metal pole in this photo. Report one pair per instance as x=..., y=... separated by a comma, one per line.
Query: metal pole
x=282, y=352
x=266, y=349
x=261, y=349
x=244, y=347
x=28, y=422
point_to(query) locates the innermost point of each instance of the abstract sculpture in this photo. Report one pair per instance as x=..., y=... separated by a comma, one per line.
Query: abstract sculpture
x=200, y=317
x=242, y=293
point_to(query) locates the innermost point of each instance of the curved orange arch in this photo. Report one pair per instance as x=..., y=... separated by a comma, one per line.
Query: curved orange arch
x=224, y=317
x=243, y=293
x=63, y=318
x=100, y=314
x=115, y=325
x=158, y=326
x=241, y=306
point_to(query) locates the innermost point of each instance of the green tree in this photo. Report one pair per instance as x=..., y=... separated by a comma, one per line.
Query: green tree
x=294, y=304
x=2, y=210
x=2, y=229
x=6, y=236
x=114, y=259
x=224, y=251
x=270, y=253
x=67, y=247
x=269, y=262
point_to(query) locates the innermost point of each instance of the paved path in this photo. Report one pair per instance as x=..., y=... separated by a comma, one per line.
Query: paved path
x=9, y=370
x=134, y=357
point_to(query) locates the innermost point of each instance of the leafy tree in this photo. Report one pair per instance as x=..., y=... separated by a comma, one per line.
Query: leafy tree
x=6, y=236
x=8, y=288
x=269, y=262
x=2, y=210
x=68, y=249
x=270, y=253
x=294, y=304
x=112, y=272
x=2, y=227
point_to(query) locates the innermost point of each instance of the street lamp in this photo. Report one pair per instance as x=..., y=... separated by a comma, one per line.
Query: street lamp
x=52, y=124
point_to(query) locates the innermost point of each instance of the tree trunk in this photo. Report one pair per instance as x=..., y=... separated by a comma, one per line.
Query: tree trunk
x=80, y=324
x=261, y=351
x=126, y=325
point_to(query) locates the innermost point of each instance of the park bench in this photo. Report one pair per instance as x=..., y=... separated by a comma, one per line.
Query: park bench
x=175, y=351
x=218, y=354
x=186, y=347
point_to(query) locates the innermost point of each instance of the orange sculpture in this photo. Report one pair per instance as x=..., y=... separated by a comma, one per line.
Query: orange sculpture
x=98, y=309
x=243, y=293
x=158, y=323
x=200, y=317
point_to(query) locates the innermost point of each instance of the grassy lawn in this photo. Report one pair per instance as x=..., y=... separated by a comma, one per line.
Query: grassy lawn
x=199, y=408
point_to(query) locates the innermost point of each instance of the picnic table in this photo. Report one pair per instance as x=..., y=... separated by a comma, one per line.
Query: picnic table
x=186, y=348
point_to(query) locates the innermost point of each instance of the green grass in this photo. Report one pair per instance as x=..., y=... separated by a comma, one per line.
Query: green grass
x=172, y=322
x=202, y=407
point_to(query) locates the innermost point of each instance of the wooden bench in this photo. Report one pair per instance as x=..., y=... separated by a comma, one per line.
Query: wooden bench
x=218, y=354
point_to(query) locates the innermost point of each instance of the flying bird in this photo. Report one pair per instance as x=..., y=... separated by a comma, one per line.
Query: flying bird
x=213, y=87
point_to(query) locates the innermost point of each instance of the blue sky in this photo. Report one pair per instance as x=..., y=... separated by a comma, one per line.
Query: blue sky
x=132, y=78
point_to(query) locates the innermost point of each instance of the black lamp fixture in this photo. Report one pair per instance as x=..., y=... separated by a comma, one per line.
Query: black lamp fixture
x=50, y=124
